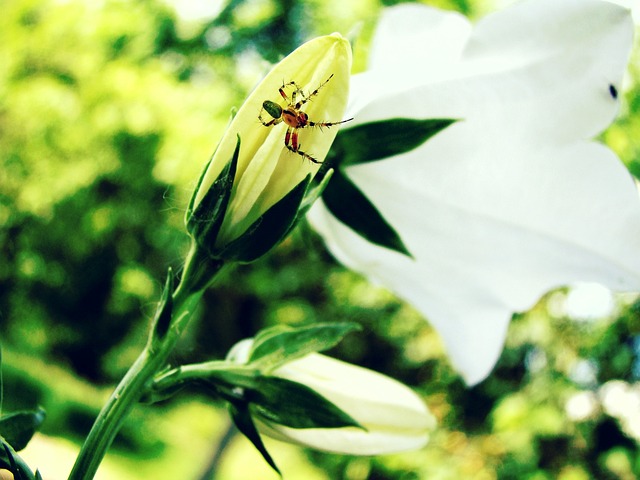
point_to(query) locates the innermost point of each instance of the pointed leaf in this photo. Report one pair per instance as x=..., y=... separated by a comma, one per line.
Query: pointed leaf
x=266, y=232
x=18, y=428
x=1, y=383
x=315, y=192
x=204, y=222
x=382, y=139
x=277, y=345
x=165, y=309
x=10, y=460
x=242, y=418
x=295, y=405
x=349, y=205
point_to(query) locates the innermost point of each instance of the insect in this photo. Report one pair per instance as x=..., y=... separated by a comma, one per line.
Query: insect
x=293, y=116
x=613, y=91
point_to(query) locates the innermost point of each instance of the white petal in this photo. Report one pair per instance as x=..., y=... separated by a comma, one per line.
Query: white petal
x=371, y=398
x=412, y=43
x=489, y=240
x=584, y=45
x=559, y=91
x=350, y=441
x=414, y=39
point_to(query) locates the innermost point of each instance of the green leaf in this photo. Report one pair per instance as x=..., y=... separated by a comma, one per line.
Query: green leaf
x=230, y=376
x=205, y=221
x=268, y=230
x=349, y=205
x=242, y=418
x=315, y=192
x=378, y=140
x=192, y=200
x=281, y=344
x=10, y=460
x=295, y=405
x=1, y=383
x=18, y=428
x=165, y=309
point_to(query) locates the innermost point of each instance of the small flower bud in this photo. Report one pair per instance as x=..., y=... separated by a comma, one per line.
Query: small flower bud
x=393, y=417
x=250, y=192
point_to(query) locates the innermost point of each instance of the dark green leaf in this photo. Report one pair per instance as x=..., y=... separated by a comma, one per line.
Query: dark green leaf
x=10, y=460
x=204, y=222
x=165, y=309
x=192, y=200
x=277, y=345
x=242, y=419
x=349, y=205
x=295, y=405
x=378, y=140
x=232, y=376
x=18, y=428
x=315, y=192
x=1, y=383
x=268, y=230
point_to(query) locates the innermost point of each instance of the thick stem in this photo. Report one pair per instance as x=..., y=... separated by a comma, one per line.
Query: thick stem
x=198, y=274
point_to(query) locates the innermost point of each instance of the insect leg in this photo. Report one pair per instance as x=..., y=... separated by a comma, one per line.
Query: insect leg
x=305, y=99
x=327, y=124
x=291, y=142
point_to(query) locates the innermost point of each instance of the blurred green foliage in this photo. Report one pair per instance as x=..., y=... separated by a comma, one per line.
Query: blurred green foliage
x=108, y=111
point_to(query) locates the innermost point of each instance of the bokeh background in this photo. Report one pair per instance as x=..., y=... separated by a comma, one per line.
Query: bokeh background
x=108, y=111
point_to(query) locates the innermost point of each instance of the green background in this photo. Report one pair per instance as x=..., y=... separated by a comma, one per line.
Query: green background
x=108, y=111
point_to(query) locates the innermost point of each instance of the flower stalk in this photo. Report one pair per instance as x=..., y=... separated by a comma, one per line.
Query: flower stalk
x=198, y=273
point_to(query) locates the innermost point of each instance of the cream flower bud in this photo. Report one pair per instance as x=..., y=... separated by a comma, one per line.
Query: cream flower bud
x=393, y=416
x=275, y=153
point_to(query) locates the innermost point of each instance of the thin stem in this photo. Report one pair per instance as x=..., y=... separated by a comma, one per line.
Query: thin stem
x=198, y=274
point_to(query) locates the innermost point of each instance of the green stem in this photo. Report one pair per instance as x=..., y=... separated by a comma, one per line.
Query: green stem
x=198, y=274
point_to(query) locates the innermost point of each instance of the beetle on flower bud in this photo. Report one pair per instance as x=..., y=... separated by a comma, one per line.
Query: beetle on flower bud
x=250, y=193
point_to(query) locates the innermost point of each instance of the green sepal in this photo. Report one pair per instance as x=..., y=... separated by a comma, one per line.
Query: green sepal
x=314, y=192
x=19, y=427
x=204, y=222
x=349, y=205
x=192, y=200
x=164, y=311
x=11, y=461
x=241, y=417
x=278, y=345
x=276, y=399
x=382, y=139
x=268, y=230
x=222, y=376
x=295, y=405
x=230, y=376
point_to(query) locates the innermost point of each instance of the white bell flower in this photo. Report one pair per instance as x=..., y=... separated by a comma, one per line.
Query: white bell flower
x=512, y=200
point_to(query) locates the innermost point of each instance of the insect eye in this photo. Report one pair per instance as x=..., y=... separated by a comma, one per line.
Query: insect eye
x=304, y=116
